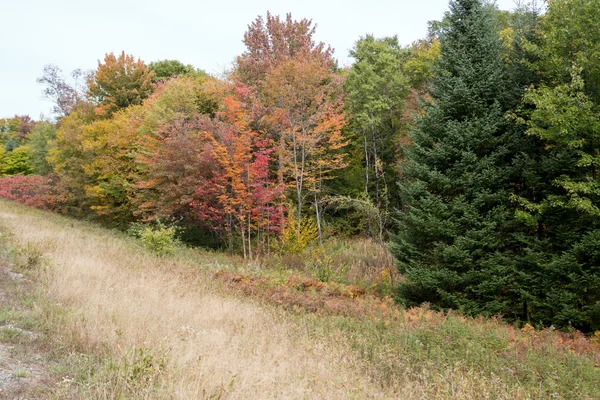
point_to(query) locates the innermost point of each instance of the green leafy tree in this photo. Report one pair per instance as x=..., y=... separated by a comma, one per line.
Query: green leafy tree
x=39, y=141
x=69, y=155
x=419, y=68
x=376, y=90
x=562, y=211
x=166, y=69
x=2, y=156
x=458, y=240
x=16, y=162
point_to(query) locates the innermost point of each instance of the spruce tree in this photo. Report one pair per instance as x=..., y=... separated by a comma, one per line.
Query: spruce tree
x=458, y=240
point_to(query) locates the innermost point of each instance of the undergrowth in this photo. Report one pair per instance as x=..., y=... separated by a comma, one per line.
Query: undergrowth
x=414, y=353
x=78, y=367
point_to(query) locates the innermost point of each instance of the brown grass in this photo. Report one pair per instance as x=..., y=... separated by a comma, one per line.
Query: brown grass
x=200, y=325
x=195, y=341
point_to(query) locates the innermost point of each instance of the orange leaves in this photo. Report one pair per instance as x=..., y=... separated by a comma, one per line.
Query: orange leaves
x=528, y=338
x=306, y=102
x=234, y=113
x=297, y=99
x=119, y=82
x=244, y=188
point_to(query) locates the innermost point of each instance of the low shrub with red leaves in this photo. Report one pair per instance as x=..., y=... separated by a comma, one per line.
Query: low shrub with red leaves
x=35, y=191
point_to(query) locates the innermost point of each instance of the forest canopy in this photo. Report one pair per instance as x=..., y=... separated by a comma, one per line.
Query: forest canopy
x=472, y=153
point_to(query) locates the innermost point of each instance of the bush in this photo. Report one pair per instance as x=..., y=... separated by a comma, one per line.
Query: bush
x=159, y=239
x=35, y=191
x=295, y=237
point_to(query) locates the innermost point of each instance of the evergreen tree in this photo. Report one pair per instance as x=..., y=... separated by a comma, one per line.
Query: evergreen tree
x=458, y=240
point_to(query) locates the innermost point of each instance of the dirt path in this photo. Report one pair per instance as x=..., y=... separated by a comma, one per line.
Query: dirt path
x=23, y=372
x=208, y=343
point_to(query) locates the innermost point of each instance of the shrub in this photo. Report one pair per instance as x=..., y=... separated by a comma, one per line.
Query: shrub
x=295, y=237
x=159, y=239
x=35, y=191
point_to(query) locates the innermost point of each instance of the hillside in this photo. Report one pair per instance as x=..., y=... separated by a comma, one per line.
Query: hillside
x=109, y=319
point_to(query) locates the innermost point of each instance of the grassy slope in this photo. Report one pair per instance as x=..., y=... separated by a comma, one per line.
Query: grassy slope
x=161, y=327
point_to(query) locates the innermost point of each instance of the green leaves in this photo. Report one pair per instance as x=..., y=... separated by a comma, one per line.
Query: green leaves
x=39, y=142
x=166, y=69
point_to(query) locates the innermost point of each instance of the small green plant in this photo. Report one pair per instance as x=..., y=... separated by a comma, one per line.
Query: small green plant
x=137, y=370
x=31, y=257
x=322, y=266
x=159, y=239
x=143, y=366
x=20, y=373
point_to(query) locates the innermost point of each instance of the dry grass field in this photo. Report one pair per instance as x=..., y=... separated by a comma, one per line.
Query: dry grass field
x=174, y=335
x=117, y=321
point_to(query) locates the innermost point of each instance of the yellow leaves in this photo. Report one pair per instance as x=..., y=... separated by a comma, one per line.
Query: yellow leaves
x=419, y=68
x=385, y=274
x=528, y=329
x=507, y=36
x=296, y=236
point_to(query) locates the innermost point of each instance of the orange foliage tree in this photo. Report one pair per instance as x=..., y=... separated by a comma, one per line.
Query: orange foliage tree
x=247, y=197
x=298, y=103
x=307, y=107
x=119, y=82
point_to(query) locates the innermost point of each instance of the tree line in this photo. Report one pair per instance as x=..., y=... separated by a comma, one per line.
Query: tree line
x=472, y=153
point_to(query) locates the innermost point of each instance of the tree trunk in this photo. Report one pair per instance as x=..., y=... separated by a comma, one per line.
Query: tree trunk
x=318, y=214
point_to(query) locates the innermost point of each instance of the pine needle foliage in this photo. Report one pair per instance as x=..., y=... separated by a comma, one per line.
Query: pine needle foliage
x=458, y=240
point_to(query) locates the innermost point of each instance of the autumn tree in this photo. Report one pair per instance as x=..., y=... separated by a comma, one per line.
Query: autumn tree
x=13, y=136
x=298, y=103
x=175, y=162
x=247, y=194
x=306, y=101
x=68, y=156
x=119, y=81
x=65, y=95
x=271, y=42
x=14, y=131
x=167, y=109
x=208, y=170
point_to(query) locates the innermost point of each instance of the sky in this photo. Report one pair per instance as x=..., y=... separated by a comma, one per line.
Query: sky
x=207, y=34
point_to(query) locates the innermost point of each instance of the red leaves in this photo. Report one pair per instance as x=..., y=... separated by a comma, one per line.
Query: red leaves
x=34, y=191
x=242, y=194
x=176, y=158
x=274, y=41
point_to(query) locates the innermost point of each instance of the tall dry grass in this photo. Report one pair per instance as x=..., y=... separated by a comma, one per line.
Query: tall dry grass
x=149, y=327
x=169, y=333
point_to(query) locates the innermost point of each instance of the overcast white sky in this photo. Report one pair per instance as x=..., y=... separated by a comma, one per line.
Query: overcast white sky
x=207, y=34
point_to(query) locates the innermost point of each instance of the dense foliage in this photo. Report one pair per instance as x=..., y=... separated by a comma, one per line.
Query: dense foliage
x=458, y=241
x=474, y=152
